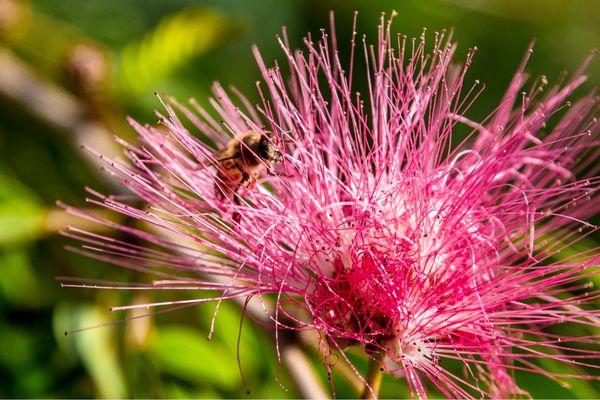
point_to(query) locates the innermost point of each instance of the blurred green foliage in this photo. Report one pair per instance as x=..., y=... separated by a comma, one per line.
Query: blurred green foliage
x=180, y=47
x=21, y=212
x=176, y=41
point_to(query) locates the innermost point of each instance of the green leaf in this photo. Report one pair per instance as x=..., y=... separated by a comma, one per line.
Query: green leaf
x=185, y=353
x=21, y=214
x=177, y=40
x=94, y=347
x=227, y=326
x=21, y=344
x=569, y=253
x=19, y=283
x=175, y=391
x=578, y=387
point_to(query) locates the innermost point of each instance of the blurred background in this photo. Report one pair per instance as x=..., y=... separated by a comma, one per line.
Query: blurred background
x=71, y=70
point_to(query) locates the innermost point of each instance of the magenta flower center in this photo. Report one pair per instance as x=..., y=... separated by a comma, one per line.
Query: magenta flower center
x=386, y=267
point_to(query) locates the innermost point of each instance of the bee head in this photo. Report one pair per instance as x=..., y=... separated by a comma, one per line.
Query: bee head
x=267, y=151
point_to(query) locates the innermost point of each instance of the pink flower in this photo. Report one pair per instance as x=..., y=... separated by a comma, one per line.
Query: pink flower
x=379, y=228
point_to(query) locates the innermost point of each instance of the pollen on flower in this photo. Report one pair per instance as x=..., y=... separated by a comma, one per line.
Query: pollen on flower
x=391, y=258
x=414, y=351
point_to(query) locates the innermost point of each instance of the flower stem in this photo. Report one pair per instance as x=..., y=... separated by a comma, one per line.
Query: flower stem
x=374, y=377
x=302, y=373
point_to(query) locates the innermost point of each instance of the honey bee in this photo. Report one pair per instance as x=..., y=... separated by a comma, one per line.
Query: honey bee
x=241, y=161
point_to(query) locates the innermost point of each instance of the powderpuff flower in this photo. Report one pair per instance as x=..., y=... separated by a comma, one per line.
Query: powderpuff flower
x=380, y=226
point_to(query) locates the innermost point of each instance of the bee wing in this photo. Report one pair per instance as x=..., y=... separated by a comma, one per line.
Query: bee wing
x=214, y=161
x=210, y=161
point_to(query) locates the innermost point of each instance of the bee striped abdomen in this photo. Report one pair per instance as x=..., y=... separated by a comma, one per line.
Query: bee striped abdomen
x=229, y=178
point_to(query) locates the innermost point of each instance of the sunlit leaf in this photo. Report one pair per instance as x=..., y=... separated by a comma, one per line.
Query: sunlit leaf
x=578, y=387
x=21, y=214
x=174, y=391
x=227, y=326
x=177, y=40
x=184, y=352
x=570, y=253
x=96, y=348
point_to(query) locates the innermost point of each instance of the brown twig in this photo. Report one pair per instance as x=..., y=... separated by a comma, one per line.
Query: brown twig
x=52, y=106
x=302, y=372
x=313, y=342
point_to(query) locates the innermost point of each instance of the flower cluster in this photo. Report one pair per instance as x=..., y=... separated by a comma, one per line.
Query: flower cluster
x=394, y=222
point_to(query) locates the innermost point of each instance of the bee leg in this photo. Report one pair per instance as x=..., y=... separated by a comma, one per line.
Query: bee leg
x=273, y=173
x=236, y=216
x=220, y=192
x=250, y=183
x=247, y=180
